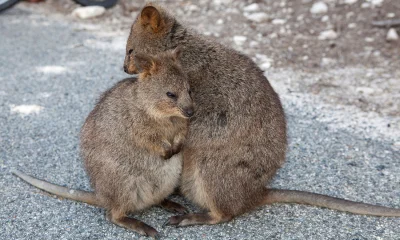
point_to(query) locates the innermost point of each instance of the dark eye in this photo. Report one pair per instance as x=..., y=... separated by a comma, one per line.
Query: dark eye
x=130, y=51
x=190, y=92
x=171, y=95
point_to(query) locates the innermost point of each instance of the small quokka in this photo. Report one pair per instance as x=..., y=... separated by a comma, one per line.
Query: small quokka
x=130, y=143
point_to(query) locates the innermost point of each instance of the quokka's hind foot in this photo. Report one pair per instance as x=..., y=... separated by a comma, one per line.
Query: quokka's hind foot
x=132, y=224
x=173, y=207
x=197, y=219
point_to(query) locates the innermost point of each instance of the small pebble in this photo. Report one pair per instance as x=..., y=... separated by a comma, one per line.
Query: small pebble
x=278, y=21
x=350, y=1
x=222, y=2
x=254, y=44
x=325, y=18
x=352, y=25
x=265, y=66
x=193, y=8
x=365, y=5
x=366, y=90
x=252, y=8
x=319, y=8
x=328, y=35
x=88, y=12
x=391, y=15
x=257, y=17
x=369, y=39
x=392, y=35
x=239, y=40
x=376, y=2
x=327, y=61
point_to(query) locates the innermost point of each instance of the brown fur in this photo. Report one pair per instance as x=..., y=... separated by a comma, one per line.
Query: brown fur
x=131, y=140
x=238, y=136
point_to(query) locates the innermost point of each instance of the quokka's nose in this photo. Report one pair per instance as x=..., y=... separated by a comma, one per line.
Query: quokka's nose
x=188, y=112
x=126, y=68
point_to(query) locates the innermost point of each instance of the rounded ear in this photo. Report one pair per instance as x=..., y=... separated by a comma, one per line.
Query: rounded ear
x=144, y=63
x=176, y=53
x=151, y=16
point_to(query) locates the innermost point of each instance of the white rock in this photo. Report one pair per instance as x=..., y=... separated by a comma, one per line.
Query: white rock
x=193, y=8
x=273, y=35
x=51, y=69
x=239, y=40
x=263, y=58
x=26, y=109
x=278, y=21
x=88, y=12
x=391, y=15
x=222, y=2
x=257, y=17
x=252, y=8
x=220, y=21
x=392, y=35
x=327, y=61
x=350, y=14
x=366, y=90
x=352, y=25
x=376, y=53
x=319, y=8
x=325, y=18
x=350, y=1
x=365, y=5
x=254, y=44
x=369, y=39
x=265, y=66
x=328, y=35
x=369, y=74
x=376, y=2
x=300, y=18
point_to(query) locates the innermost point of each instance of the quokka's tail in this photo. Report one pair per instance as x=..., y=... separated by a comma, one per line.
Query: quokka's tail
x=319, y=200
x=76, y=195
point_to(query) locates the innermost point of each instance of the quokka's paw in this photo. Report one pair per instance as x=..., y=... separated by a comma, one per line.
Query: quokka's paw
x=167, y=152
x=177, y=148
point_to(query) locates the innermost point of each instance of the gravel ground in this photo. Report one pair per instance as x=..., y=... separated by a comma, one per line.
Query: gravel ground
x=357, y=67
x=53, y=70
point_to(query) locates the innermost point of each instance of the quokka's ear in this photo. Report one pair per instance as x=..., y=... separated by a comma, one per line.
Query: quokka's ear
x=152, y=17
x=145, y=64
x=176, y=53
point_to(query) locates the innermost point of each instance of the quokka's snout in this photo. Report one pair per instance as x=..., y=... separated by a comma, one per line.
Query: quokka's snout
x=129, y=64
x=188, y=112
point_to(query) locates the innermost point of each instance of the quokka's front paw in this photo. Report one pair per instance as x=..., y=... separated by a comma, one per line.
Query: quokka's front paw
x=167, y=152
x=177, y=148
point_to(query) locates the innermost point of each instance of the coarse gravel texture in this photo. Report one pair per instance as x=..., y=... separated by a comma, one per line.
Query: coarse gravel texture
x=63, y=66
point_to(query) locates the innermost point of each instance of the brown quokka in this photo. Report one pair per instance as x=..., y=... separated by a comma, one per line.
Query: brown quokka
x=130, y=143
x=238, y=138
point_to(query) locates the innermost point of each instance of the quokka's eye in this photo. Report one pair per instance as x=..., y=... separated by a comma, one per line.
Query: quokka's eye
x=171, y=95
x=190, y=92
x=130, y=51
